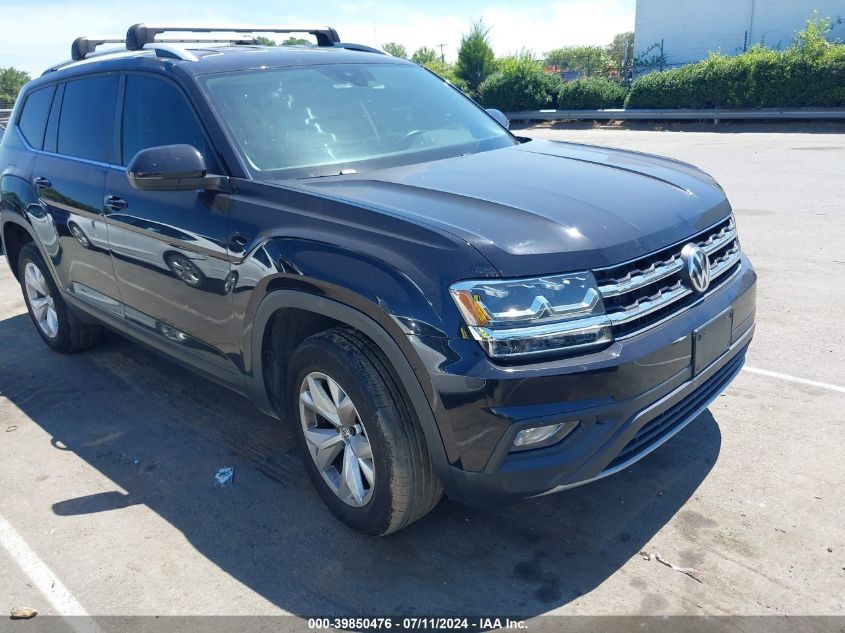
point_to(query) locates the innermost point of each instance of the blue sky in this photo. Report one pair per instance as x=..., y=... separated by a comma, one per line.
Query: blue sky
x=37, y=33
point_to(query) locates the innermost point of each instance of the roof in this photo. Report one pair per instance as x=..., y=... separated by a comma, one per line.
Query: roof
x=218, y=59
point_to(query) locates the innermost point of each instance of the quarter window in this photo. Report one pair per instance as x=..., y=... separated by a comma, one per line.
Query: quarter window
x=33, y=119
x=155, y=112
x=86, y=125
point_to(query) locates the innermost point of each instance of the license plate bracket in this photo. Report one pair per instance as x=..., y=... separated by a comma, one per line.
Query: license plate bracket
x=712, y=340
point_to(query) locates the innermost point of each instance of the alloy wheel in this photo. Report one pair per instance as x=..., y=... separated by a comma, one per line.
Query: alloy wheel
x=337, y=439
x=41, y=301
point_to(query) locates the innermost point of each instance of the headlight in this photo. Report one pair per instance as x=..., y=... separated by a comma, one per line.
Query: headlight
x=512, y=318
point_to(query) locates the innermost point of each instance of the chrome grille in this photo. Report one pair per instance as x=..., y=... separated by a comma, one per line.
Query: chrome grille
x=643, y=292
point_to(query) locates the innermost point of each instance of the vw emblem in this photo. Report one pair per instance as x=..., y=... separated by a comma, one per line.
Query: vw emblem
x=696, y=267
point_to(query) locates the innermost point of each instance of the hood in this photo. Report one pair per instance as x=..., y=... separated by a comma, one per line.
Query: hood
x=545, y=207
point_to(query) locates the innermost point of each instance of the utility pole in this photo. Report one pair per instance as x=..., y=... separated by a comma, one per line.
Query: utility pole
x=442, y=53
x=624, y=70
x=749, y=38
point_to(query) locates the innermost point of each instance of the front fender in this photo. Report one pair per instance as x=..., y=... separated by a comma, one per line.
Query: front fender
x=366, y=283
x=413, y=301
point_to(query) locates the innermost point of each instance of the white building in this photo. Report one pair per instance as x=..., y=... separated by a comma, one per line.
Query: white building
x=689, y=29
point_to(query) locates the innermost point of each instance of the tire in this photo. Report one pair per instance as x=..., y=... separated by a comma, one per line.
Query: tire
x=404, y=487
x=62, y=330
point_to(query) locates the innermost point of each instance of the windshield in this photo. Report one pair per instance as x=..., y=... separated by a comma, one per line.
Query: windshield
x=312, y=121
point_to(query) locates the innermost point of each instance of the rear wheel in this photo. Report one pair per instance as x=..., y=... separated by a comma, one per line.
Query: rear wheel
x=62, y=330
x=360, y=443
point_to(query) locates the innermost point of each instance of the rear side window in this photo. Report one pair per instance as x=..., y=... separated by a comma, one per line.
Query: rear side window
x=86, y=125
x=33, y=119
x=155, y=112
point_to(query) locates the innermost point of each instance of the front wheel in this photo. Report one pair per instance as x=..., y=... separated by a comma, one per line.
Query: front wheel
x=60, y=328
x=360, y=443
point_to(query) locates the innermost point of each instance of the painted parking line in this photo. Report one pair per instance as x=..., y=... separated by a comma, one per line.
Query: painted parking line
x=795, y=379
x=45, y=581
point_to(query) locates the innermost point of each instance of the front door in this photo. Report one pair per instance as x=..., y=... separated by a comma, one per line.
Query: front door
x=169, y=247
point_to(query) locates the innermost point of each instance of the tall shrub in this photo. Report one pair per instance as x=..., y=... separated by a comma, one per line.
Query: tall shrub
x=520, y=83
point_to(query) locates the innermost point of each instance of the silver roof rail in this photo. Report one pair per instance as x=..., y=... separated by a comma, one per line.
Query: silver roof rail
x=172, y=51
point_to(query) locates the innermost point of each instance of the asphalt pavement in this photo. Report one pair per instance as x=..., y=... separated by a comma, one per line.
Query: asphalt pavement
x=107, y=462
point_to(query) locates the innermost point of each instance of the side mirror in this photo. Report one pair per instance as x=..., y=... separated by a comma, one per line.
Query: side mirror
x=172, y=168
x=501, y=119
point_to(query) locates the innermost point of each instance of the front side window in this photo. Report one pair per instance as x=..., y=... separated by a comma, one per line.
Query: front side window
x=320, y=120
x=86, y=124
x=156, y=113
x=33, y=118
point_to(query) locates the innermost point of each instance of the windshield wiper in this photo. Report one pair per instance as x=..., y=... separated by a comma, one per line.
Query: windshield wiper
x=342, y=172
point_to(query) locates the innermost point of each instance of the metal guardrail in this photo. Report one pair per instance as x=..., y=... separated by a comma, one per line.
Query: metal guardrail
x=765, y=114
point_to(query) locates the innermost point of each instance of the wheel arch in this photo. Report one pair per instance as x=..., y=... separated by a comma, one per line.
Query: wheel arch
x=322, y=314
x=15, y=195
x=15, y=236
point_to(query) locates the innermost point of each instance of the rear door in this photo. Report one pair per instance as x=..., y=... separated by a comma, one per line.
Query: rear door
x=169, y=247
x=79, y=150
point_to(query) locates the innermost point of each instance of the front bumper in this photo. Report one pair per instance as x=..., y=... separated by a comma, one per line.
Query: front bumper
x=628, y=399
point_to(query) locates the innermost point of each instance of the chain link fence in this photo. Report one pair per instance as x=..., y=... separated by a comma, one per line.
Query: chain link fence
x=614, y=63
x=6, y=106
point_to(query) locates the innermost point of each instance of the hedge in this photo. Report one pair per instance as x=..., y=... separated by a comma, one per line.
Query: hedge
x=760, y=78
x=595, y=93
x=520, y=84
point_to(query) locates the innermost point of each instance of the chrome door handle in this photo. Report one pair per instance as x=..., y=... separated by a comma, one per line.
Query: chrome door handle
x=115, y=203
x=41, y=181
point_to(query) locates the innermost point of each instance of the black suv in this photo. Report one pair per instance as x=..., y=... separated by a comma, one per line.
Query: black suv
x=346, y=239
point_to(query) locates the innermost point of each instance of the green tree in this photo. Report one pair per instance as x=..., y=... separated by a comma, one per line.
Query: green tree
x=476, y=60
x=11, y=82
x=587, y=60
x=295, y=41
x=397, y=50
x=447, y=71
x=621, y=52
x=291, y=41
x=424, y=55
